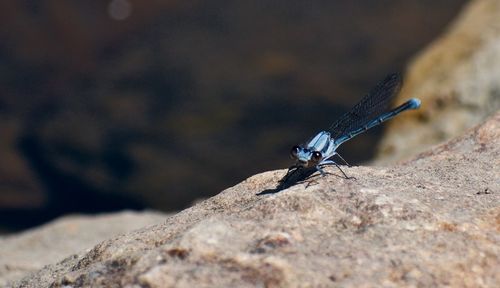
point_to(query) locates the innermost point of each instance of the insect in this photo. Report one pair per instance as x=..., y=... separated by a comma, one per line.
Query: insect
x=371, y=111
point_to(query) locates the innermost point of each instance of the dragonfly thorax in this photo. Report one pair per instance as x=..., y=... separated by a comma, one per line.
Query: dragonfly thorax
x=320, y=148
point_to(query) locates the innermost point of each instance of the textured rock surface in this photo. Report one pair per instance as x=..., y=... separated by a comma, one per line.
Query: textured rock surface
x=457, y=79
x=50, y=243
x=434, y=220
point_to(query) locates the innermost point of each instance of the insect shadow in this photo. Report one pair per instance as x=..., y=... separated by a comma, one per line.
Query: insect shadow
x=295, y=175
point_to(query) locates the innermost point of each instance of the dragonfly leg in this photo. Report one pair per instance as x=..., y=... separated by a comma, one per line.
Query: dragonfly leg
x=343, y=160
x=320, y=171
x=327, y=162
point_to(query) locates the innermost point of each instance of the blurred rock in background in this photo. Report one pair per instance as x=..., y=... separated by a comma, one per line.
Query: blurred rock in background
x=107, y=105
x=30, y=250
x=458, y=80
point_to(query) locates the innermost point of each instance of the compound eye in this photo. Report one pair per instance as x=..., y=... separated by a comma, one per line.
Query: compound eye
x=295, y=151
x=316, y=156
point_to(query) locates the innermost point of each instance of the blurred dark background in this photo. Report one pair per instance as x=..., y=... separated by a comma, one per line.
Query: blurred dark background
x=122, y=104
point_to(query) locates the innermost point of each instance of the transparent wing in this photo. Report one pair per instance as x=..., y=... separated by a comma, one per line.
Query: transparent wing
x=371, y=106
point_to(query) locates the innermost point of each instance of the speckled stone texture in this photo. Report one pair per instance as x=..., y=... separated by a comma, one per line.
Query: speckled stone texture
x=431, y=221
x=31, y=250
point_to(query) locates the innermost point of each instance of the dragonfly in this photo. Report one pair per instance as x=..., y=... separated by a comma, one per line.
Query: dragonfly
x=371, y=111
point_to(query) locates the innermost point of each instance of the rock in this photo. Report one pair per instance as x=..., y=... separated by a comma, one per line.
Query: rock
x=431, y=221
x=31, y=250
x=457, y=79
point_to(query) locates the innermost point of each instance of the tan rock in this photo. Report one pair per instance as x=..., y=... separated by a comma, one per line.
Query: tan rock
x=31, y=250
x=458, y=80
x=432, y=221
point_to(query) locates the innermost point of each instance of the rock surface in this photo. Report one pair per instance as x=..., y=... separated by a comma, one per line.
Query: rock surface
x=50, y=243
x=457, y=79
x=434, y=220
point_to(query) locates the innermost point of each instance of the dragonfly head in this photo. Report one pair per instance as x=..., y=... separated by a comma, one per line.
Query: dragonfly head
x=305, y=157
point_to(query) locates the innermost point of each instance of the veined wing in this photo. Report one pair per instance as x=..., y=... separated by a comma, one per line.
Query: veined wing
x=370, y=107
